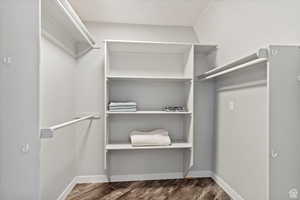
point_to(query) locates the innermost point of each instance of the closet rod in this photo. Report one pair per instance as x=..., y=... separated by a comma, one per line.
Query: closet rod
x=49, y=132
x=261, y=53
x=226, y=71
x=233, y=64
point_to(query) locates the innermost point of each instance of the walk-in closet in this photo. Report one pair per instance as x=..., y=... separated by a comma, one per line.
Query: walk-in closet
x=149, y=100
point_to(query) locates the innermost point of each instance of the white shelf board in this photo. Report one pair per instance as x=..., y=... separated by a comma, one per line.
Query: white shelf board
x=159, y=42
x=182, y=145
x=166, y=78
x=148, y=47
x=148, y=113
x=61, y=22
x=158, y=47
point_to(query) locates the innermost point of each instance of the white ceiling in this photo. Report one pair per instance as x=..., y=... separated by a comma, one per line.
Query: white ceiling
x=155, y=12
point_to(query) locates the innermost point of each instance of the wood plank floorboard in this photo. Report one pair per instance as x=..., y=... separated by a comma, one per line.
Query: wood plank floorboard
x=177, y=189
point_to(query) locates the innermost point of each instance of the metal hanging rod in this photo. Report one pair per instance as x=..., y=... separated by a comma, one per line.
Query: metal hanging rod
x=49, y=132
x=248, y=64
x=247, y=61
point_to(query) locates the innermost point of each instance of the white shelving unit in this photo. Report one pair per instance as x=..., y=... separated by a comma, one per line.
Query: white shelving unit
x=62, y=26
x=154, y=75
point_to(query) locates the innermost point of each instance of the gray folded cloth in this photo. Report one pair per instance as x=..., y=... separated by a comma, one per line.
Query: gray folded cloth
x=122, y=107
x=123, y=110
x=112, y=104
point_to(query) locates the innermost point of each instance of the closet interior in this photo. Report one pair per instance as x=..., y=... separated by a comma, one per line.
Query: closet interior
x=236, y=123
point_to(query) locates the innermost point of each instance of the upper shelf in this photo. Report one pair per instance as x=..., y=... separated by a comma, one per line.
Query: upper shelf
x=61, y=25
x=157, y=47
x=147, y=47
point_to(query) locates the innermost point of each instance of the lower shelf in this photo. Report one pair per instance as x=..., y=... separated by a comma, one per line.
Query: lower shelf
x=130, y=147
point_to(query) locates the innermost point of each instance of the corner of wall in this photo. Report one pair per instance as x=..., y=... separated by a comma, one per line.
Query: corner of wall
x=196, y=24
x=226, y=187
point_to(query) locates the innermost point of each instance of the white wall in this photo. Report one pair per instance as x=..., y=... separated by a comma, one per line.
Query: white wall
x=57, y=104
x=19, y=115
x=90, y=95
x=243, y=26
x=284, y=121
x=241, y=142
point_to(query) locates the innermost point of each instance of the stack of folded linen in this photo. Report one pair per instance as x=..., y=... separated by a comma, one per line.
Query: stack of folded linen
x=122, y=106
x=157, y=137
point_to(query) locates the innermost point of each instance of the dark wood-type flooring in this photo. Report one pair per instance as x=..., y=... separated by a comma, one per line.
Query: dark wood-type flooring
x=177, y=189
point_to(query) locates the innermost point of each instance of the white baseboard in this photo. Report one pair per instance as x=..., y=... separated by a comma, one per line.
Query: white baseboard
x=91, y=179
x=200, y=174
x=157, y=176
x=226, y=187
x=141, y=177
x=68, y=189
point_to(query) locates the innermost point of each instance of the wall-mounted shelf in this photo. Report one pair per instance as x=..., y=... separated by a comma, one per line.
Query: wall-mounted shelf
x=148, y=113
x=130, y=147
x=164, y=47
x=62, y=26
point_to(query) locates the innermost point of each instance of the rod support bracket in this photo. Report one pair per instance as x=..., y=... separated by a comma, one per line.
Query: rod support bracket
x=46, y=133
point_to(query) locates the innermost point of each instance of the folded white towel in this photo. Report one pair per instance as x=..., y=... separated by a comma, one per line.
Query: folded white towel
x=150, y=132
x=158, y=137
